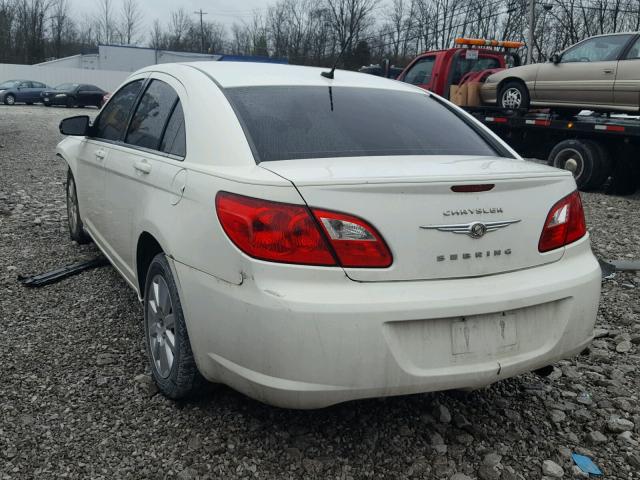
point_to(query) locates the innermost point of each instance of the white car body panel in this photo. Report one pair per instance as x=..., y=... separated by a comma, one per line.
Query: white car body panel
x=304, y=336
x=399, y=195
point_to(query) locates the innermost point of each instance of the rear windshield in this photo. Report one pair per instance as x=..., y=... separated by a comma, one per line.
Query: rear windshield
x=286, y=123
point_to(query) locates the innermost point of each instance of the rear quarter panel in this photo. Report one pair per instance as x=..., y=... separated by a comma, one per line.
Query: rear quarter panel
x=68, y=150
x=218, y=159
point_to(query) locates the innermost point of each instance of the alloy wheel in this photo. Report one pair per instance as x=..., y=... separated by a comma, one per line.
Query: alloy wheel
x=512, y=98
x=10, y=100
x=162, y=326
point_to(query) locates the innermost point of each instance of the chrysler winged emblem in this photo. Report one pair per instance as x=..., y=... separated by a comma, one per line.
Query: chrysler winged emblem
x=473, y=229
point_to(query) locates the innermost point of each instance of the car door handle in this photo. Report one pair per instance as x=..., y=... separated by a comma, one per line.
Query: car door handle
x=142, y=166
x=100, y=154
x=607, y=70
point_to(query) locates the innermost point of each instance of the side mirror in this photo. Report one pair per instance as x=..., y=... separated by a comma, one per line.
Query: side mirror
x=76, y=126
x=555, y=58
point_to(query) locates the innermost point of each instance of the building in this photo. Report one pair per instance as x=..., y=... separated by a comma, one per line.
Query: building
x=128, y=59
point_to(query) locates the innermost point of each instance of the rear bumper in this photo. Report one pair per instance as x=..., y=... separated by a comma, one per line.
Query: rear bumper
x=310, y=338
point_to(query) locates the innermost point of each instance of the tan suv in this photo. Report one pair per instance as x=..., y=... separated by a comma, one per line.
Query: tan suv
x=599, y=73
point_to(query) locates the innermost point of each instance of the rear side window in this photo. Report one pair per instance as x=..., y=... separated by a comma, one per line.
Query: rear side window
x=151, y=115
x=112, y=121
x=634, y=51
x=301, y=122
x=174, y=141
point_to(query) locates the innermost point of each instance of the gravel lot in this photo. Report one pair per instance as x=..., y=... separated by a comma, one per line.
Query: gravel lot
x=75, y=400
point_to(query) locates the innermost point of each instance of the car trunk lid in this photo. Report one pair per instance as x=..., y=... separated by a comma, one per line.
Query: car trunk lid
x=428, y=227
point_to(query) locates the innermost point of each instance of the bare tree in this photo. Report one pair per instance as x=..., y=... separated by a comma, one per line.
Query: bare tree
x=7, y=25
x=59, y=20
x=215, y=36
x=158, y=36
x=130, y=21
x=240, y=39
x=179, y=24
x=349, y=18
x=106, y=22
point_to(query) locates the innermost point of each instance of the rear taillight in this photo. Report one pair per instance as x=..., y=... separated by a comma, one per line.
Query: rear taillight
x=286, y=233
x=273, y=231
x=565, y=224
x=356, y=243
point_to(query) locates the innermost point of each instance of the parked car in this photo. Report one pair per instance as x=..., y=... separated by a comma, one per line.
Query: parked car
x=74, y=95
x=309, y=241
x=599, y=73
x=21, y=91
x=378, y=70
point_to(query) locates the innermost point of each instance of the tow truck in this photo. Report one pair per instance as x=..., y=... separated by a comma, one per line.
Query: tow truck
x=595, y=147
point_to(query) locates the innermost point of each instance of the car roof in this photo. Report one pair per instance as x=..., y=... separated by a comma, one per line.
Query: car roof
x=250, y=74
x=608, y=35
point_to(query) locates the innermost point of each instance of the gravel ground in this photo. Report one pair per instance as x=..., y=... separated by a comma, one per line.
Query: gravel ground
x=76, y=402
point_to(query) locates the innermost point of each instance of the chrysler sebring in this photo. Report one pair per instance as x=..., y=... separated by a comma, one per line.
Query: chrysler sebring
x=310, y=240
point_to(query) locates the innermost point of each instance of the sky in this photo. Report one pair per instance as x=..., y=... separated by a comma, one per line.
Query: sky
x=224, y=11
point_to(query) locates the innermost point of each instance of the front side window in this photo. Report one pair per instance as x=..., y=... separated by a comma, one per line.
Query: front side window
x=420, y=73
x=174, y=140
x=147, y=124
x=304, y=122
x=112, y=121
x=25, y=85
x=598, y=49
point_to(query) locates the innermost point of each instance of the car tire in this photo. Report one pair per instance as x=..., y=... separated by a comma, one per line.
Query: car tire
x=29, y=103
x=580, y=157
x=514, y=95
x=71, y=102
x=9, y=99
x=47, y=104
x=603, y=166
x=173, y=366
x=76, y=228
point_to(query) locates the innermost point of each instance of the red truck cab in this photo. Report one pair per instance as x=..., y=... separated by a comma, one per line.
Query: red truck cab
x=437, y=70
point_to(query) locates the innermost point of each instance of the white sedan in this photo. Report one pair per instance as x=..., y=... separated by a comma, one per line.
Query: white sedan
x=309, y=240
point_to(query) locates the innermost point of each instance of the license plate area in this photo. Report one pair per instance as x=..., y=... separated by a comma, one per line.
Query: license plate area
x=495, y=332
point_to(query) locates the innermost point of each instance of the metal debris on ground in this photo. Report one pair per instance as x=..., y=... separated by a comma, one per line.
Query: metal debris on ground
x=58, y=274
x=625, y=265
x=608, y=270
x=610, y=267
